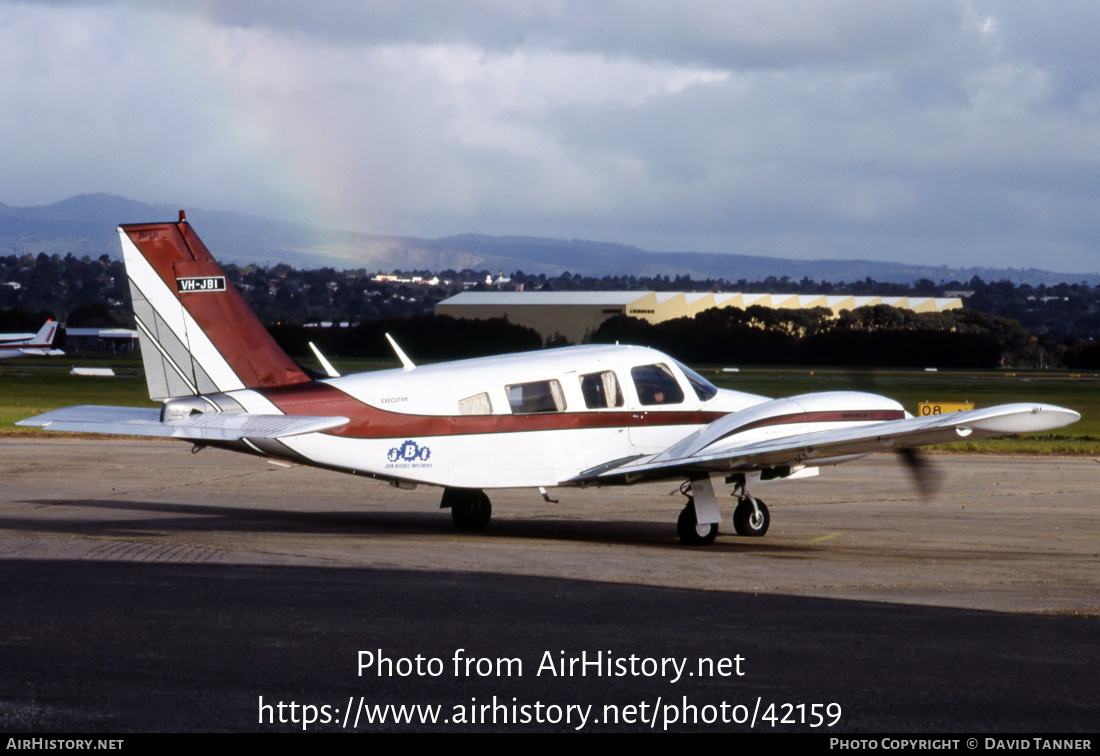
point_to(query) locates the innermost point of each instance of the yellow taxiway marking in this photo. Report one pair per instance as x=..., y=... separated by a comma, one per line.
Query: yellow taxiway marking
x=825, y=537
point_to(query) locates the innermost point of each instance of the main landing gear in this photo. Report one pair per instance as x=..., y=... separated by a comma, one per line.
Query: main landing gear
x=691, y=532
x=697, y=524
x=470, y=507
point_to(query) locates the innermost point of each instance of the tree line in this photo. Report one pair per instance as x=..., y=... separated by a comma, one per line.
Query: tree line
x=875, y=336
x=1005, y=323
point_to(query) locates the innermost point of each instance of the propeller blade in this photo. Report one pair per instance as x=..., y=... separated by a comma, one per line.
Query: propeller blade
x=924, y=474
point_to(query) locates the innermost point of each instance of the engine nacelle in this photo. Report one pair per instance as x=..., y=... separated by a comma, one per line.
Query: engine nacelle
x=785, y=417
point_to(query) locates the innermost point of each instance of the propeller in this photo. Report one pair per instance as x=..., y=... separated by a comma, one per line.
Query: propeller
x=925, y=475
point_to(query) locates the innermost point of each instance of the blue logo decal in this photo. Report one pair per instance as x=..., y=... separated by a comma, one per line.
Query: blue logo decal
x=410, y=451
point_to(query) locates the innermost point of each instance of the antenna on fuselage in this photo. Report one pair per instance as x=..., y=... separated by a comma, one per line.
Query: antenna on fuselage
x=406, y=363
x=330, y=371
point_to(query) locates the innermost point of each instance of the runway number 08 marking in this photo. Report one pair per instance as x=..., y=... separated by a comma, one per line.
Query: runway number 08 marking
x=942, y=408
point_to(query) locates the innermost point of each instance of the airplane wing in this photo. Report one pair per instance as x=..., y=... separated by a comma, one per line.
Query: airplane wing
x=709, y=450
x=216, y=426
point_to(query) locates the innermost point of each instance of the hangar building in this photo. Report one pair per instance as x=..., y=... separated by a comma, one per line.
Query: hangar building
x=575, y=314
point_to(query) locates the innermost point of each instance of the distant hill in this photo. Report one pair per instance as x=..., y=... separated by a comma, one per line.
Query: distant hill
x=536, y=255
x=85, y=225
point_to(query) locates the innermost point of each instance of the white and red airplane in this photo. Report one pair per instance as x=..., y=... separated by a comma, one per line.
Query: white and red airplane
x=578, y=416
x=30, y=344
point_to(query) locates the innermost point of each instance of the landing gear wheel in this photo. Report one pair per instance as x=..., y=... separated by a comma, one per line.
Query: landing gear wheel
x=746, y=521
x=692, y=533
x=470, y=507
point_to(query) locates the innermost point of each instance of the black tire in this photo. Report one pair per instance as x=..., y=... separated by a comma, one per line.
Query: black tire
x=744, y=521
x=691, y=533
x=470, y=507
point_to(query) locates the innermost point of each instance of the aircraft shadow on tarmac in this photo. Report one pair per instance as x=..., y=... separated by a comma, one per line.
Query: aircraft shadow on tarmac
x=221, y=518
x=213, y=519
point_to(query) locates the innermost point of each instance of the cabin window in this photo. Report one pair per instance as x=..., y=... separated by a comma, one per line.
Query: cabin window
x=478, y=404
x=703, y=388
x=656, y=384
x=601, y=390
x=536, y=396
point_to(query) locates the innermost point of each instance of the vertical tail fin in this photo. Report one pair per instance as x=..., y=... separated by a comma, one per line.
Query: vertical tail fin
x=44, y=337
x=197, y=333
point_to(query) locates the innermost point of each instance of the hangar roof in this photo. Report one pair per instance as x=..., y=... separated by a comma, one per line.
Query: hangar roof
x=543, y=298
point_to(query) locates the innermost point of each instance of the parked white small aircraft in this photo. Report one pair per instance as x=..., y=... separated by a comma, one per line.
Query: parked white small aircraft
x=30, y=344
x=579, y=416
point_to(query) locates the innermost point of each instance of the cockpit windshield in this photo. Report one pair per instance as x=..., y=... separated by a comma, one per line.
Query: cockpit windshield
x=704, y=389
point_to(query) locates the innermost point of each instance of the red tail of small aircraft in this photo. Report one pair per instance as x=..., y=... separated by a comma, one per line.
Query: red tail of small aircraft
x=197, y=333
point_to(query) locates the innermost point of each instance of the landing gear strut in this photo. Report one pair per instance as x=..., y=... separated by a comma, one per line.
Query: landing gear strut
x=470, y=507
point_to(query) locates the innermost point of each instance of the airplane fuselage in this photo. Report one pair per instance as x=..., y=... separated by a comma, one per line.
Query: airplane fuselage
x=524, y=420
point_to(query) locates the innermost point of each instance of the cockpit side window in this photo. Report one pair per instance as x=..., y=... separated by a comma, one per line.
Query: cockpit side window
x=656, y=384
x=536, y=396
x=601, y=390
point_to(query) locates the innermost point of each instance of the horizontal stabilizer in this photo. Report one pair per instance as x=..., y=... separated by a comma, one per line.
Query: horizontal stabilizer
x=212, y=426
x=730, y=455
x=37, y=352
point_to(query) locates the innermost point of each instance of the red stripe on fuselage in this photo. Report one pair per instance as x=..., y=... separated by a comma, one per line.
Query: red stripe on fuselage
x=370, y=422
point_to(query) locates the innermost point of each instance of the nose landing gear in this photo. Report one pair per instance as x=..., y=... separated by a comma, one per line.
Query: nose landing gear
x=751, y=518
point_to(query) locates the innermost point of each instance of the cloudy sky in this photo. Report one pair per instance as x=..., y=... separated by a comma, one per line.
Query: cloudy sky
x=960, y=132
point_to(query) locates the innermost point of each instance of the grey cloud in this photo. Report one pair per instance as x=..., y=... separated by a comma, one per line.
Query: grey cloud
x=755, y=33
x=952, y=130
